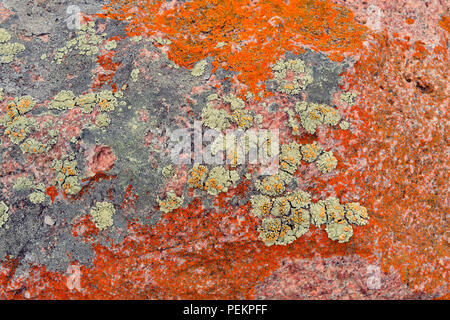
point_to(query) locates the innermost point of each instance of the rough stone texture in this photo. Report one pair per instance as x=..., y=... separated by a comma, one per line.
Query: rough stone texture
x=385, y=70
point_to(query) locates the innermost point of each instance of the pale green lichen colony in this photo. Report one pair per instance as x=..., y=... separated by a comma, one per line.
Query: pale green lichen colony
x=102, y=215
x=3, y=213
x=8, y=50
x=170, y=203
x=293, y=75
x=24, y=184
x=213, y=181
x=313, y=115
x=85, y=43
x=285, y=215
x=286, y=218
x=199, y=68
x=67, y=175
x=102, y=120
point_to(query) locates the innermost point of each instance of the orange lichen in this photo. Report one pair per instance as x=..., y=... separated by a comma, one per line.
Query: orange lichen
x=246, y=37
x=52, y=192
x=445, y=23
x=403, y=88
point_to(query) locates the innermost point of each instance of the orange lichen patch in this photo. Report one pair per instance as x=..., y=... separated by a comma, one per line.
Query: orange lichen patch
x=129, y=198
x=445, y=23
x=52, y=192
x=403, y=88
x=107, y=70
x=243, y=37
x=192, y=253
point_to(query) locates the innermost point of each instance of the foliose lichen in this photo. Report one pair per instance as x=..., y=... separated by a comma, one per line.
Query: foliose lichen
x=3, y=213
x=272, y=185
x=197, y=176
x=67, y=175
x=199, y=68
x=8, y=50
x=326, y=162
x=356, y=214
x=171, y=202
x=217, y=119
x=86, y=43
x=64, y=100
x=292, y=75
x=311, y=151
x=102, y=215
x=102, y=120
x=219, y=180
x=168, y=171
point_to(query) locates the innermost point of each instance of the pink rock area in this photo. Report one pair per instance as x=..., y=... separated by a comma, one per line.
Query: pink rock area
x=341, y=278
x=100, y=159
x=416, y=19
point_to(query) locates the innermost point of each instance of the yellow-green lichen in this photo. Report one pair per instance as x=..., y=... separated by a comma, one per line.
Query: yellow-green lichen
x=310, y=152
x=21, y=105
x=134, y=75
x=102, y=120
x=300, y=221
x=243, y=118
x=64, y=100
x=318, y=213
x=293, y=122
x=110, y=45
x=37, y=197
x=168, y=171
x=219, y=180
x=272, y=185
x=86, y=43
x=102, y=215
x=344, y=125
x=235, y=102
x=23, y=184
x=3, y=213
x=2, y=96
x=4, y=35
x=197, y=176
x=356, y=214
x=335, y=211
x=67, y=175
x=313, y=114
x=215, y=119
x=269, y=231
x=292, y=75
x=87, y=102
x=170, y=203
x=261, y=205
x=18, y=128
x=326, y=162
x=199, y=68
x=299, y=199
x=8, y=50
x=348, y=97
x=339, y=231
x=280, y=207
x=290, y=157
x=31, y=145
x=106, y=100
